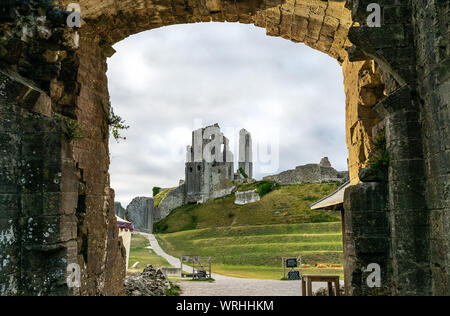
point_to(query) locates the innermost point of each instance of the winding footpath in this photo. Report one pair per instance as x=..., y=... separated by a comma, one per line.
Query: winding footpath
x=230, y=286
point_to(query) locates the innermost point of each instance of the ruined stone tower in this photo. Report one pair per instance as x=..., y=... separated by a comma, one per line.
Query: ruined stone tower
x=245, y=152
x=209, y=165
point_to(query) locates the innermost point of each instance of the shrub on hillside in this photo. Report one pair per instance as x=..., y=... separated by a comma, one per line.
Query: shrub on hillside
x=160, y=228
x=265, y=187
x=242, y=172
x=156, y=190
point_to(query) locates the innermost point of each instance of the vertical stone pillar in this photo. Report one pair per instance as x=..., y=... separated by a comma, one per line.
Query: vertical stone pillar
x=245, y=152
x=100, y=254
x=409, y=215
x=366, y=238
x=431, y=28
x=394, y=48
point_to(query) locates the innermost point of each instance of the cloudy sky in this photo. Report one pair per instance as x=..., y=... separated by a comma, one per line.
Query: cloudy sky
x=169, y=81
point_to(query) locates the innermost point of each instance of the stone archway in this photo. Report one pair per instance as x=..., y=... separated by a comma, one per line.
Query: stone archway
x=58, y=202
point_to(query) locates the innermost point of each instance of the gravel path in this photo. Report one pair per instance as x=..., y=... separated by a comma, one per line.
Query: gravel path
x=229, y=286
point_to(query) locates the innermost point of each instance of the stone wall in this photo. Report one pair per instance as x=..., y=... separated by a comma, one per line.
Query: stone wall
x=175, y=198
x=246, y=197
x=46, y=203
x=312, y=173
x=366, y=238
x=141, y=212
x=432, y=41
x=38, y=195
x=413, y=48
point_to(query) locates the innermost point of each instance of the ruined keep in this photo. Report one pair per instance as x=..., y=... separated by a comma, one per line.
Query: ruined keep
x=209, y=170
x=210, y=164
x=56, y=205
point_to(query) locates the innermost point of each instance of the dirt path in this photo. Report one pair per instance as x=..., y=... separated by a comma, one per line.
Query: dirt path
x=229, y=286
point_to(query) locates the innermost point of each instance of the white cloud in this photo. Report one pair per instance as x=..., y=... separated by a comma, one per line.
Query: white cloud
x=163, y=81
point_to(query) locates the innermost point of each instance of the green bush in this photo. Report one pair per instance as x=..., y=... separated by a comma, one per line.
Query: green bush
x=242, y=172
x=73, y=131
x=265, y=187
x=116, y=125
x=156, y=190
x=160, y=228
x=379, y=157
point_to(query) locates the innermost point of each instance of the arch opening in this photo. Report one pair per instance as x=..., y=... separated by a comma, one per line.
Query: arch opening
x=54, y=85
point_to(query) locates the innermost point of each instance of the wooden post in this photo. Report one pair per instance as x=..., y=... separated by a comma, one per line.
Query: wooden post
x=337, y=287
x=310, y=291
x=299, y=260
x=284, y=267
x=303, y=287
x=330, y=289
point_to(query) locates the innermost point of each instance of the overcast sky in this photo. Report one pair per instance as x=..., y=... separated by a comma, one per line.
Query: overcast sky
x=168, y=81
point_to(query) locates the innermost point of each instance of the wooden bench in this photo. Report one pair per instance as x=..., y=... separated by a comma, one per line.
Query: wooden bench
x=307, y=281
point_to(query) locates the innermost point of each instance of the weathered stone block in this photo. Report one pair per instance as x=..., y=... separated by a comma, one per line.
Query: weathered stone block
x=9, y=206
x=140, y=212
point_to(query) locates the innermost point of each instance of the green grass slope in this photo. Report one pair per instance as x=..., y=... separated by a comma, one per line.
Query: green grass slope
x=285, y=205
x=256, y=251
x=139, y=253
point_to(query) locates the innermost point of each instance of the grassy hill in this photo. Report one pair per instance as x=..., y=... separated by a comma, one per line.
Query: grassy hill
x=250, y=240
x=256, y=251
x=285, y=205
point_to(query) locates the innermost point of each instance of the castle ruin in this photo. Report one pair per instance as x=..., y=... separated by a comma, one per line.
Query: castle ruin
x=210, y=164
x=310, y=173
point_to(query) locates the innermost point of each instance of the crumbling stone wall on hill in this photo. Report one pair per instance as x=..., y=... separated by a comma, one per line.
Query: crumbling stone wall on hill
x=396, y=77
x=311, y=173
x=174, y=199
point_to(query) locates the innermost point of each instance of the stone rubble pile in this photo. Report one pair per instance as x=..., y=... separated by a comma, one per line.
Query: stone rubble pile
x=151, y=282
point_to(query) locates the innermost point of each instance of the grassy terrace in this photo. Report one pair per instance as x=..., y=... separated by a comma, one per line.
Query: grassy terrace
x=256, y=251
x=250, y=240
